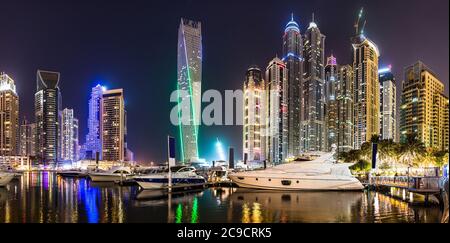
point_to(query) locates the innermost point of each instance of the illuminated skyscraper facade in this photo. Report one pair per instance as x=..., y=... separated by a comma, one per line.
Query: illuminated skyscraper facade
x=345, y=109
x=47, y=107
x=366, y=90
x=69, y=136
x=254, y=116
x=93, y=138
x=313, y=123
x=112, y=125
x=331, y=118
x=293, y=59
x=189, y=86
x=277, y=111
x=424, y=108
x=9, y=117
x=388, y=105
x=27, y=138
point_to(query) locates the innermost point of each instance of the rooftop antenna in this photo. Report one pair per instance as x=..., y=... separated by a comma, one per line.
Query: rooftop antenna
x=313, y=17
x=359, y=19
x=292, y=17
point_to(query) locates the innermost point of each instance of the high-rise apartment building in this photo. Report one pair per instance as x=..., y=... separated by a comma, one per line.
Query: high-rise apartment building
x=69, y=136
x=277, y=111
x=388, y=105
x=189, y=86
x=93, y=138
x=9, y=117
x=47, y=108
x=331, y=113
x=345, y=109
x=254, y=116
x=313, y=123
x=366, y=90
x=27, y=138
x=293, y=59
x=424, y=107
x=112, y=125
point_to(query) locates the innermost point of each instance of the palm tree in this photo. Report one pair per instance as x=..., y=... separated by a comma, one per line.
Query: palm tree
x=412, y=150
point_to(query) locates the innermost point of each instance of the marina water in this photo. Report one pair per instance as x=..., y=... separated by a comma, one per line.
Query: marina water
x=44, y=197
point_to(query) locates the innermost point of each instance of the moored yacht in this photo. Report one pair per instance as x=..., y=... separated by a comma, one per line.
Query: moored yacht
x=115, y=174
x=182, y=176
x=5, y=178
x=320, y=174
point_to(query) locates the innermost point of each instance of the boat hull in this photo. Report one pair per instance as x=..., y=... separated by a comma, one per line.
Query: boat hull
x=298, y=184
x=106, y=178
x=161, y=183
x=5, y=178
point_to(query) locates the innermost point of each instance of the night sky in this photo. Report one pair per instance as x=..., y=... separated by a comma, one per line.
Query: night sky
x=133, y=45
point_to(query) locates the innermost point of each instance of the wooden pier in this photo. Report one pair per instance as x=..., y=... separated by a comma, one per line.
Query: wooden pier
x=423, y=185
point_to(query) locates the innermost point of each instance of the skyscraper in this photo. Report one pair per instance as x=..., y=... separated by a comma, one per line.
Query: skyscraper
x=112, y=125
x=189, y=86
x=388, y=105
x=254, y=116
x=27, y=138
x=293, y=59
x=277, y=111
x=9, y=117
x=47, y=106
x=345, y=111
x=313, y=123
x=424, y=109
x=69, y=136
x=331, y=118
x=93, y=138
x=366, y=90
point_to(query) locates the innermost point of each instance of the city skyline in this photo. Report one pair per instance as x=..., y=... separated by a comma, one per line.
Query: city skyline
x=158, y=107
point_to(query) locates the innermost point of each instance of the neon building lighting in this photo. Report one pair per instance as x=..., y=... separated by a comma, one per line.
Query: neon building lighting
x=189, y=86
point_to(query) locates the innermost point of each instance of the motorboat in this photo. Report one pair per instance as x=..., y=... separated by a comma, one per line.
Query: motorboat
x=320, y=174
x=5, y=178
x=115, y=174
x=182, y=177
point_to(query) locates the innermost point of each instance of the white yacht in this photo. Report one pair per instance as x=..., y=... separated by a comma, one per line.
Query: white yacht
x=182, y=176
x=115, y=174
x=5, y=178
x=319, y=174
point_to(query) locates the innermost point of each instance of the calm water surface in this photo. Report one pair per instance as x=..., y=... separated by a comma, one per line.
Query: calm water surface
x=46, y=198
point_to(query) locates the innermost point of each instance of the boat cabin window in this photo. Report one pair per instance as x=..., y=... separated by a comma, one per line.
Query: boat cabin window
x=120, y=171
x=186, y=169
x=286, y=182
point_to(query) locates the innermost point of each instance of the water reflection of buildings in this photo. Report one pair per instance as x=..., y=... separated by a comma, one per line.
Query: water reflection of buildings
x=46, y=198
x=268, y=206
